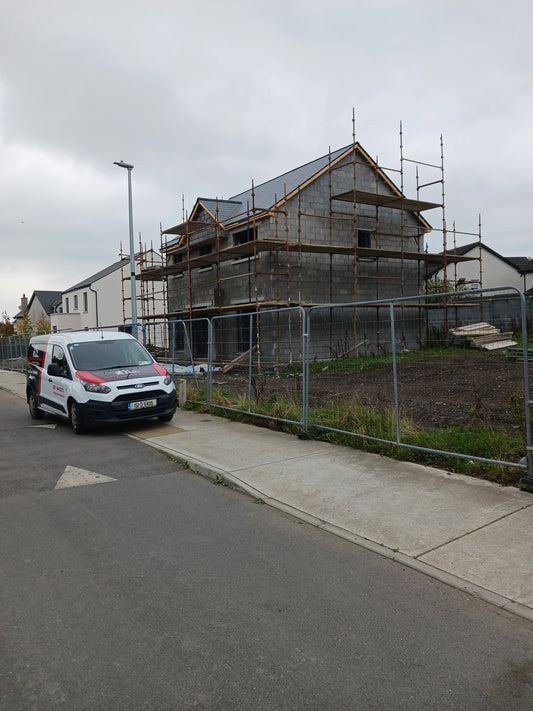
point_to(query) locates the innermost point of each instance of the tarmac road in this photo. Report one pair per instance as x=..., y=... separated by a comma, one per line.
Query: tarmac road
x=154, y=589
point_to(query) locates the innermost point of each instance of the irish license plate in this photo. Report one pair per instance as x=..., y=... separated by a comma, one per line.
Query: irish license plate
x=141, y=404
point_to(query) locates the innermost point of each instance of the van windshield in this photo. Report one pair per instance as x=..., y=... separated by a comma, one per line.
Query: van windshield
x=105, y=354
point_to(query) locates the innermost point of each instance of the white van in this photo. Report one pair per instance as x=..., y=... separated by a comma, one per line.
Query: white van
x=96, y=378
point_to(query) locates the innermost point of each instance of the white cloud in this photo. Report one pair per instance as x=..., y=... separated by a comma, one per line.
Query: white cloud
x=204, y=97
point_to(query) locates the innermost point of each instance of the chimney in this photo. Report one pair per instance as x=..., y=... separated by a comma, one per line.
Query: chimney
x=24, y=303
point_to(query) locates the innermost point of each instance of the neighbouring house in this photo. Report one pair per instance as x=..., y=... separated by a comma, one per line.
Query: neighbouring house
x=486, y=269
x=103, y=300
x=524, y=266
x=40, y=306
x=335, y=230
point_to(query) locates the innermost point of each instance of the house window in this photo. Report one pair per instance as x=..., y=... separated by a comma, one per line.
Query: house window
x=244, y=322
x=179, y=336
x=67, y=306
x=247, y=235
x=85, y=302
x=364, y=238
x=75, y=302
x=244, y=237
x=199, y=337
x=203, y=250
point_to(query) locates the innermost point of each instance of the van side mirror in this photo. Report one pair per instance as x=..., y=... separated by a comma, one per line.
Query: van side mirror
x=53, y=369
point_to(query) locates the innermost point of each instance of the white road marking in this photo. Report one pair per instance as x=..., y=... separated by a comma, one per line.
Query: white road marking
x=72, y=476
x=44, y=427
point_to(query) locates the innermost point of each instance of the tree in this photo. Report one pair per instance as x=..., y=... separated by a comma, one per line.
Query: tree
x=43, y=324
x=6, y=327
x=442, y=286
x=26, y=326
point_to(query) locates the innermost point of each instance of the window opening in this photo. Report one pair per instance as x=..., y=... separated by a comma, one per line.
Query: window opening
x=244, y=236
x=364, y=238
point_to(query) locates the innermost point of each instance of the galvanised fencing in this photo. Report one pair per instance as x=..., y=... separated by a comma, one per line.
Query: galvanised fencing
x=419, y=365
x=13, y=350
x=409, y=361
x=254, y=350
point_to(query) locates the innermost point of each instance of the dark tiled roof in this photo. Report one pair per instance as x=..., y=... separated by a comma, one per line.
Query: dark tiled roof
x=222, y=209
x=47, y=299
x=267, y=194
x=99, y=275
x=523, y=264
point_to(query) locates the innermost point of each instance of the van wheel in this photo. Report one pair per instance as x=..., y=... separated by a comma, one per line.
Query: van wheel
x=76, y=419
x=165, y=418
x=35, y=413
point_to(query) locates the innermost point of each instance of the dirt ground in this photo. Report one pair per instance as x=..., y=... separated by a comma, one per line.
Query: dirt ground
x=481, y=388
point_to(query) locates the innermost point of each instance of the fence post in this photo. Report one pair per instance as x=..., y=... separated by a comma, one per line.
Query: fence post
x=173, y=347
x=527, y=481
x=250, y=355
x=306, y=327
x=210, y=350
x=394, y=372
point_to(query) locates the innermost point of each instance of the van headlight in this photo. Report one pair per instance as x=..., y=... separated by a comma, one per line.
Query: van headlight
x=96, y=388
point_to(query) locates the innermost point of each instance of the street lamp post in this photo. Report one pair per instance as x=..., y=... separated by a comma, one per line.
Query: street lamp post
x=133, y=286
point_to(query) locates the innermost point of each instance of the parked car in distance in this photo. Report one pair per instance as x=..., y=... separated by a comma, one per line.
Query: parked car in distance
x=96, y=378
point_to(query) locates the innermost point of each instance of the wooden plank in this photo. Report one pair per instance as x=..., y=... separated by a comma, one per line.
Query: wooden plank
x=237, y=360
x=498, y=344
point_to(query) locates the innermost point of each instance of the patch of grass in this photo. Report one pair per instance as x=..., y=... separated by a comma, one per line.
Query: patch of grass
x=351, y=416
x=375, y=361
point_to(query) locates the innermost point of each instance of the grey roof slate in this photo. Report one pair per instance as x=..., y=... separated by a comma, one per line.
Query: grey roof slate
x=47, y=299
x=225, y=209
x=99, y=275
x=523, y=264
x=267, y=194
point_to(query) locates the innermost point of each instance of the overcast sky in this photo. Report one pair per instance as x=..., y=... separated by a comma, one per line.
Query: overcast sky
x=203, y=96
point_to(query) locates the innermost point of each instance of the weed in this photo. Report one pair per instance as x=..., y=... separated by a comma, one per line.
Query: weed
x=372, y=428
x=516, y=405
x=218, y=481
x=373, y=361
x=258, y=387
x=475, y=411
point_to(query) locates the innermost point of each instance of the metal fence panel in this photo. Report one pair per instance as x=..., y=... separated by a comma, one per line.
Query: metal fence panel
x=13, y=351
x=258, y=358
x=419, y=364
x=385, y=370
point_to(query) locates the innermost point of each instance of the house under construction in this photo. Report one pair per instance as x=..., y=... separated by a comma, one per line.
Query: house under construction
x=335, y=230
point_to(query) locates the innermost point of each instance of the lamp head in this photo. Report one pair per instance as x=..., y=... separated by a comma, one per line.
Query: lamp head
x=121, y=164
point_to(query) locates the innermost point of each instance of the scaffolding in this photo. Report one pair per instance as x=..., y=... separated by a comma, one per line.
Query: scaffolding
x=194, y=261
x=151, y=299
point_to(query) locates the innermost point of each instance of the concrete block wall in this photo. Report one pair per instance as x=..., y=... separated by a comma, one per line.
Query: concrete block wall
x=309, y=273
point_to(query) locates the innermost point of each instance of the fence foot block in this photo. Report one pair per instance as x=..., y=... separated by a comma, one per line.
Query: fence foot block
x=526, y=484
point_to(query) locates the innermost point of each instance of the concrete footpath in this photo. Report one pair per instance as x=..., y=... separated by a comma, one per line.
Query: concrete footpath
x=468, y=533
